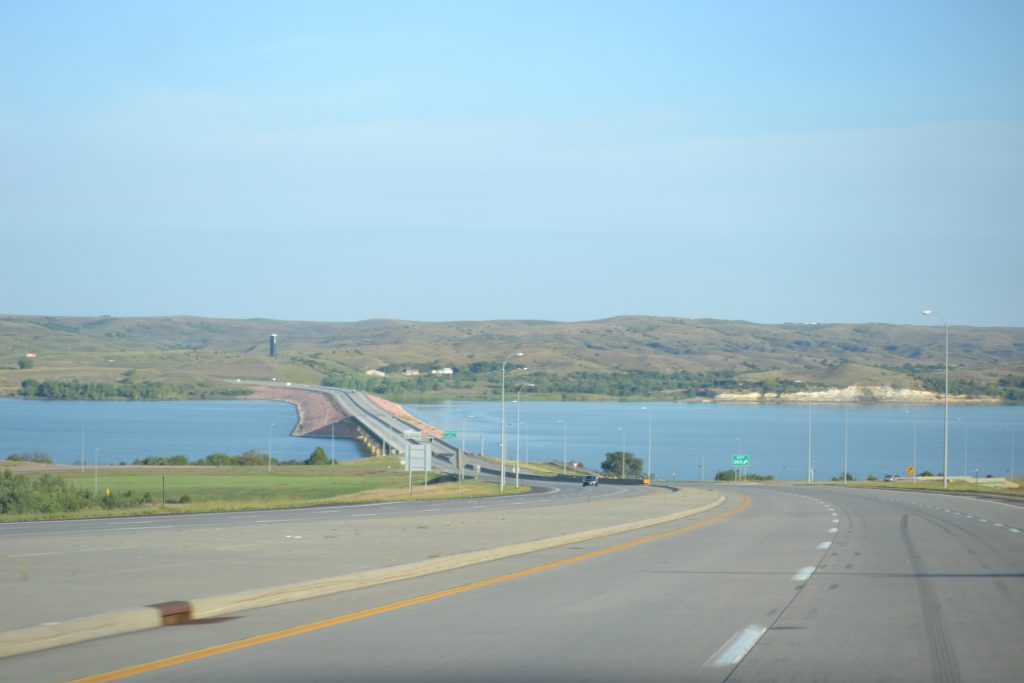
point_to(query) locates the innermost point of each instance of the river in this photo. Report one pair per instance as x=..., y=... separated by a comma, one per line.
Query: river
x=879, y=438
x=112, y=432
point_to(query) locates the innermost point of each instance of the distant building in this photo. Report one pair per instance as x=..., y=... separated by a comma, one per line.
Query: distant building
x=376, y=373
x=411, y=372
x=442, y=371
x=30, y=355
x=273, y=345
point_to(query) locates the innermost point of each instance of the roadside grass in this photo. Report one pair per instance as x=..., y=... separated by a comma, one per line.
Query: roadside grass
x=221, y=489
x=955, y=485
x=549, y=468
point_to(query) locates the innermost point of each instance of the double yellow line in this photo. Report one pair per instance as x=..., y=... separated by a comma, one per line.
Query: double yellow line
x=334, y=621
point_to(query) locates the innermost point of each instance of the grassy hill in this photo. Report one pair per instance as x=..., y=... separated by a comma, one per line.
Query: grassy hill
x=719, y=355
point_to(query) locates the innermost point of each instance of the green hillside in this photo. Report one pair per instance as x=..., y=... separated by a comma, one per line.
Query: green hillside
x=628, y=356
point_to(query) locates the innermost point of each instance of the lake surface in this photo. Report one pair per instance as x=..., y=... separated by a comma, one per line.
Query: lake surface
x=126, y=430
x=880, y=437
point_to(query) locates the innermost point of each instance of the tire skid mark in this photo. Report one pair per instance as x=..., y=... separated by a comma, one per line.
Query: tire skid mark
x=945, y=668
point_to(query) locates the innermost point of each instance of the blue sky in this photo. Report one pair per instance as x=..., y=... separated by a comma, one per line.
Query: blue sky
x=764, y=161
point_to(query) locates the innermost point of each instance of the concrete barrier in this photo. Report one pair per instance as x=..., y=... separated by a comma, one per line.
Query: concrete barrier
x=46, y=636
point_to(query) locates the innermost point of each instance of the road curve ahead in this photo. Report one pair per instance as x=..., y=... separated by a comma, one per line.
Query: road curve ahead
x=779, y=584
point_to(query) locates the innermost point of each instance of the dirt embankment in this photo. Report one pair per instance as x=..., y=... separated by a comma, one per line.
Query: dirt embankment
x=316, y=410
x=400, y=412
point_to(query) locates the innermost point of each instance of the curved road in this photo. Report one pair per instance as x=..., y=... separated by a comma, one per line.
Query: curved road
x=779, y=584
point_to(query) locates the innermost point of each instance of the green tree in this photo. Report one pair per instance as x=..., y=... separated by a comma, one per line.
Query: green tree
x=318, y=457
x=25, y=363
x=613, y=464
x=217, y=459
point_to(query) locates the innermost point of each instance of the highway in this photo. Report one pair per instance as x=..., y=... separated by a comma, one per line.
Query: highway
x=778, y=584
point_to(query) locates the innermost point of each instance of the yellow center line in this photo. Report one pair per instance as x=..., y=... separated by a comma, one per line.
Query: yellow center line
x=353, y=616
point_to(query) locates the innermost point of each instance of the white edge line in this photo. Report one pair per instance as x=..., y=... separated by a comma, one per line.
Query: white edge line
x=737, y=647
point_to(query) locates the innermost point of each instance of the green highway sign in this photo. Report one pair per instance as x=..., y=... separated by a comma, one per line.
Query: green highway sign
x=450, y=435
x=738, y=460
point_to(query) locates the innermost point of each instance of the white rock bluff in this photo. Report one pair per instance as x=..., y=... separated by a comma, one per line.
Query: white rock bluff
x=851, y=394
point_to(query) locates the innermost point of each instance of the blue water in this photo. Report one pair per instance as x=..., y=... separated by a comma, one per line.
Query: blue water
x=880, y=437
x=125, y=430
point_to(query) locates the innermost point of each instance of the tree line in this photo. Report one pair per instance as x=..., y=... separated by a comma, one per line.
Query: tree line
x=129, y=390
x=626, y=383
x=250, y=458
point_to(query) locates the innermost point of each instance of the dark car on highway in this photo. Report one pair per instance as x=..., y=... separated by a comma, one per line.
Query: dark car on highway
x=590, y=480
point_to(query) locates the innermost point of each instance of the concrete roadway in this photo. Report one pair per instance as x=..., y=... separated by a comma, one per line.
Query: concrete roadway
x=779, y=584
x=53, y=571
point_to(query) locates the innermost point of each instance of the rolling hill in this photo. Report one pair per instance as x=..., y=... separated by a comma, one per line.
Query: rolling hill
x=724, y=355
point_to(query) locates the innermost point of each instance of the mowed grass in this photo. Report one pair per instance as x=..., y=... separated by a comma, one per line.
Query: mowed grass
x=955, y=485
x=214, y=489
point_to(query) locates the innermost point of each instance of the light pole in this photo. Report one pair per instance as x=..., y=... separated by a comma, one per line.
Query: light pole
x=332, y=443
x=739, y=451
x=96, y=471
x=649, y=457
x=846, y=450
x=961, y=420
x=519, y=400
x=501, y=478
x=623, y=451
x=462, y=450
x=270, y=445
x=1011, y=452
x=913, y=462
x=945, y=402
x=810, y=471
x=565, y=445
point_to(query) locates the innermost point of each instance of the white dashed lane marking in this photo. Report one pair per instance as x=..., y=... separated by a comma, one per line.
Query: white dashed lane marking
x=803, y=574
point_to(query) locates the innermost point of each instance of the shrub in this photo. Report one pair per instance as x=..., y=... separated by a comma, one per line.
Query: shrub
x=31, y=456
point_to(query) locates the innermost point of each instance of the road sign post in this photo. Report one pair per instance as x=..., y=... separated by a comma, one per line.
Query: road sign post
x=740, y=460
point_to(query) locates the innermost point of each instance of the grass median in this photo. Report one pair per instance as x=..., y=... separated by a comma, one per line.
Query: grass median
x=216, y=489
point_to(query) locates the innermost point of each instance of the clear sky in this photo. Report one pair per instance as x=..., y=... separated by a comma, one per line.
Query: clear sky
x=768, y=161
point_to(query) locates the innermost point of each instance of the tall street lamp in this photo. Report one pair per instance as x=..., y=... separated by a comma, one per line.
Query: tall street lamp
x=501, y=479
x=965, y=446
x=846, y=449
x=649, y=460
x=462, y=449
x=519, y=400
x=623, y=451
x=739, y=451
x=945, y=401
x=810, y=462
x=1011, y=452
x=565, y=445
x=913, y=462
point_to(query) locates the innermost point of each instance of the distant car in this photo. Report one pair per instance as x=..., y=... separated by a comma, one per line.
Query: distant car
x=590, y=480
x=890, y=477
